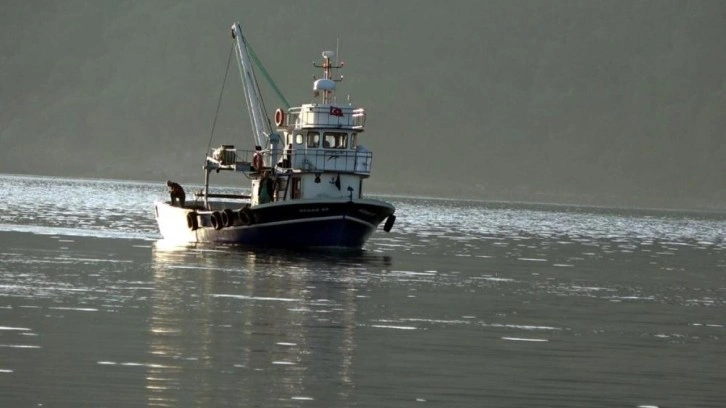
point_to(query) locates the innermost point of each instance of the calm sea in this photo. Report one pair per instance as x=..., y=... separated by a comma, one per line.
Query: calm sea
x=463, y=304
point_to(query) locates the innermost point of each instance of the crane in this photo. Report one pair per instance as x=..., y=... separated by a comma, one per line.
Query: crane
x=261, y=128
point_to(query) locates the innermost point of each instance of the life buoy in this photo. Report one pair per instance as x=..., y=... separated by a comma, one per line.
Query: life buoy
x=389, y=223
x=192, y=222
x=279, y=117
x=227, y=217
x=217, y=220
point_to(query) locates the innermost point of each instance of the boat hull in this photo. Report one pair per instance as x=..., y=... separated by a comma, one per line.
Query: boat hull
x=300, y=224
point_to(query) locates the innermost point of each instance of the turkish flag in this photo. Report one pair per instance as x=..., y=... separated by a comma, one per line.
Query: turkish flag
x=336, y=111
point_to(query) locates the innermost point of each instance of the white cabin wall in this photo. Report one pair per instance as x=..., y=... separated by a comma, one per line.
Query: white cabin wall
x=327, y=188
x=345, y=160
x=353, y=181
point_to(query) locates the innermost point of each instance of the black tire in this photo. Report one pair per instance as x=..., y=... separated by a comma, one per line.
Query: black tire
x=244, y=216
x=217, y=220
x=389, y=223
x=227, y=217
x=192, y=222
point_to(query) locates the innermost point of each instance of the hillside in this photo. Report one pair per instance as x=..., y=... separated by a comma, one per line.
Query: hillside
x=608, y=103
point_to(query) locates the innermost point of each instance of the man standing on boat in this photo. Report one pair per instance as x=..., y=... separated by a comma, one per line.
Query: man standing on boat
x=176, y=192
x=266, y=189
x=257, y=162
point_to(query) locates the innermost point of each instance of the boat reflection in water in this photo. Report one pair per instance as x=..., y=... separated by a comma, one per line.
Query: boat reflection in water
x=229, y=325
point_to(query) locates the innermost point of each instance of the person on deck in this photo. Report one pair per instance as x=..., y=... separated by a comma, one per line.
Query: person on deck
x=176, y=192
x=257, y=162
x=266, y=189
x=288, y=157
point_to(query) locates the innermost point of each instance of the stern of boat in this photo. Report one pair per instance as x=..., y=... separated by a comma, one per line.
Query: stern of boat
x=172, y=222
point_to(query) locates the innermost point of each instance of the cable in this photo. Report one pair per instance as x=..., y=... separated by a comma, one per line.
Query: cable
x=219, y=101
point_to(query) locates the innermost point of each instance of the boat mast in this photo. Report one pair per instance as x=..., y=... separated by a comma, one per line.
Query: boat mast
x=327, y=83
x=258, y=116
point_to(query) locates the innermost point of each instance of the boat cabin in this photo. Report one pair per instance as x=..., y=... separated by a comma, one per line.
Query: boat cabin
x=314, y=152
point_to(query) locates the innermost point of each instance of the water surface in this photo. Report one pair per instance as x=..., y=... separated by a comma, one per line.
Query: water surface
x=463, y=304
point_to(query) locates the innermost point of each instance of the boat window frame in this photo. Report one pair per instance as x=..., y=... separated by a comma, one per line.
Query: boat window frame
x=310, y=137
x=336, y=137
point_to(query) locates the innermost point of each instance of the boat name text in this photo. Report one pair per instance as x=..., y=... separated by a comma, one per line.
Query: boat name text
x=314, y=210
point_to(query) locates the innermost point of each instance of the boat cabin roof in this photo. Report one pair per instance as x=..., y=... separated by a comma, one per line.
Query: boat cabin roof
x=313, y=115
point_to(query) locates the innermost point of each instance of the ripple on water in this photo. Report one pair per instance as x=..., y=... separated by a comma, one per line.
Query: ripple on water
x=388, y=326
x=533, y=340
x=441, y=220
x=19, y=346
x=14, y=328
x=262, y=298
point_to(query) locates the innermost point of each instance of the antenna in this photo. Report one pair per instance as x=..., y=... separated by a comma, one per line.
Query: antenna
x=337, y=64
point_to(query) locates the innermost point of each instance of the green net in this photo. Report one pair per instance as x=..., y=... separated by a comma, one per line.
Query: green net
x=267, y=76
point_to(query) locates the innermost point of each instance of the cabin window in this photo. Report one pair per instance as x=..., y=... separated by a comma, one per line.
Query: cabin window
x=299, y=138
x=335, y=140
x=353, y=140
x=313, y=139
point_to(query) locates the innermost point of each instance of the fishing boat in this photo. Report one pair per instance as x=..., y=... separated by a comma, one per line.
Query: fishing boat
x=306, y=174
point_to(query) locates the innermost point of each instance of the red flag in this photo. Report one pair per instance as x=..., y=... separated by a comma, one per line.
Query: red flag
x=336, y=111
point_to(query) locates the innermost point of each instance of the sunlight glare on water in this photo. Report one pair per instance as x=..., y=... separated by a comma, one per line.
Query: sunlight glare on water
x=462, y=304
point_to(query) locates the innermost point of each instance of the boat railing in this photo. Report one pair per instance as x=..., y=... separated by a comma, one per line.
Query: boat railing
x=319, y=160
x=315, y=160
x=326, y=116
x=227, y=157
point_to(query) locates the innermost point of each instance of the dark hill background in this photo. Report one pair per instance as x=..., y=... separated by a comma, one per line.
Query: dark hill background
x=606, y=103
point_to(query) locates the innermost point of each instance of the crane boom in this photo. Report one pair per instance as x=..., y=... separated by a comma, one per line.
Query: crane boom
x=258, y=116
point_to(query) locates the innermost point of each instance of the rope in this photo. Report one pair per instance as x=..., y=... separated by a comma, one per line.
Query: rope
x=219, y=101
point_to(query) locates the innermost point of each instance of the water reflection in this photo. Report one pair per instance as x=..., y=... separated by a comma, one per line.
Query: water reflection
x=261, y=326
